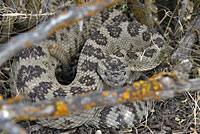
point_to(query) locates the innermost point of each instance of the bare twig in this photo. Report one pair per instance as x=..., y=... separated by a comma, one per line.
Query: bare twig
x=183, y=10
x=171, y=17
x=182, y=13
x=187, y=41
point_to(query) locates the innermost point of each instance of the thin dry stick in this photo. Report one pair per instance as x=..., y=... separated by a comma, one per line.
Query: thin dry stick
x=187, y=41
x=171, y=17
x=182, y=14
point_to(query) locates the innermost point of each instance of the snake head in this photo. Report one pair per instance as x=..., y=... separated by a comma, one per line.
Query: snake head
x=114, y=71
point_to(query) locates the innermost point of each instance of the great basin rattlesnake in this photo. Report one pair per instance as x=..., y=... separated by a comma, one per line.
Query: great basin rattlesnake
x=116, y=43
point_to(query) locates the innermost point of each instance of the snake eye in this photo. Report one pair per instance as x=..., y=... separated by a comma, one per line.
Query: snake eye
x=124, y=73
x=115, y=61
x=106, y=73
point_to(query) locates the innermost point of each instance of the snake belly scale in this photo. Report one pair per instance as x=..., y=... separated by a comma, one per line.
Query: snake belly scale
x=107, y=33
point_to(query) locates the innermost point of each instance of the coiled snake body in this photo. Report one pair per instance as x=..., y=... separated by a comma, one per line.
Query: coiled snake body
x=131, y=44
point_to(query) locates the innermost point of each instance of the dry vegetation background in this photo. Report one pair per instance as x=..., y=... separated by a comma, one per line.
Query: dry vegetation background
x=170, y=17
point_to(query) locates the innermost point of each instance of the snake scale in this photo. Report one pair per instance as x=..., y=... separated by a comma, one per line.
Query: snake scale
x=108, y=41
